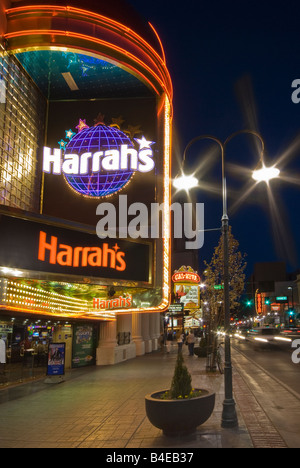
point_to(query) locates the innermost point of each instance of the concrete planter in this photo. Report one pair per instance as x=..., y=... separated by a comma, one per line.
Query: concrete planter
x=201, y=352
x=179, y=417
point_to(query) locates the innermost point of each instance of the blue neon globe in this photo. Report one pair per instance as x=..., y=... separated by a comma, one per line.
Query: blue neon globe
x=91, y=140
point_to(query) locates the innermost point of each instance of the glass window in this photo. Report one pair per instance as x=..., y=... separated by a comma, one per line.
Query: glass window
x=22, y=115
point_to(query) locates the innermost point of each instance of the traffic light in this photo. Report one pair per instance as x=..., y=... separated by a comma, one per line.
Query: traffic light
x=267, y=301
x=291, y=317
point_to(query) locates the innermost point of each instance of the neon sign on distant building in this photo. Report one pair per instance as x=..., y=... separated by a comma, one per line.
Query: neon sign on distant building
x=186, y=277
x=98, y=161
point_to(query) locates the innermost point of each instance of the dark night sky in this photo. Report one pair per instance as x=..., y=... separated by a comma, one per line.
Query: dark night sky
x=232, y=64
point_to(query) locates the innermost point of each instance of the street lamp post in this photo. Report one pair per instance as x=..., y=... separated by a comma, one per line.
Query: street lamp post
x=290, y=288
x=229, y=416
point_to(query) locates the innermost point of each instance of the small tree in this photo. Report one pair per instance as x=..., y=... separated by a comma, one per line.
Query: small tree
x=214, y=281
x=214, y=276
x=182, y=380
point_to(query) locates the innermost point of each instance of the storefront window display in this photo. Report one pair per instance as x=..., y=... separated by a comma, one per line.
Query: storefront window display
x=24, y=346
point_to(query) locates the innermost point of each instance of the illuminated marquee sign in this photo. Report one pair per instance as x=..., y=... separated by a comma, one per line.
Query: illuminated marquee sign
x=186, y=277
x=98, y=161
x=53, y=252
x=31, y=245
x=186, y=287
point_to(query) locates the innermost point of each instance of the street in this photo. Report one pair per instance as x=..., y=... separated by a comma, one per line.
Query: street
x=274, y=382
x=275, y=359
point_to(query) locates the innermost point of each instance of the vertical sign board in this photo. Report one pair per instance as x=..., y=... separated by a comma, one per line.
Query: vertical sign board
x=186, y=287
x=84, y=345
x=258, y=303
x=56, y=359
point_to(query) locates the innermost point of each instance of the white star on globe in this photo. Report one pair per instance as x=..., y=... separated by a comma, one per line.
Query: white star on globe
x=144, y=143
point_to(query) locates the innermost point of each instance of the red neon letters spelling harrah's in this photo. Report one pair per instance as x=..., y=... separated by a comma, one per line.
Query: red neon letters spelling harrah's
x=65, y=255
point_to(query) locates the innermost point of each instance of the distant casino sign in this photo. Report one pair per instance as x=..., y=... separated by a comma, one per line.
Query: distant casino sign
x=99, y=161
x=186, y=277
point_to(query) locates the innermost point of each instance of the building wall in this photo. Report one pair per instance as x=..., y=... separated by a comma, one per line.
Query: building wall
x=22, y=129
x=270, y=271
x=22, y=116
x=144, y=329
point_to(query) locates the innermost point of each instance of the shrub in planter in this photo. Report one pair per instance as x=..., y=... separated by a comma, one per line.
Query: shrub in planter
x=181, y=409
x=201, y=351
x=182, y=381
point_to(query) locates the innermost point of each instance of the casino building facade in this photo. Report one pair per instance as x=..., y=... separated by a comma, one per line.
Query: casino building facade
x=85, y=140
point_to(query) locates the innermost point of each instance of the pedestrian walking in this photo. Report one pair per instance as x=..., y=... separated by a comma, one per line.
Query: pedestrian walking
x=169, y=342
x=180, y=341
x=191, y=343
x=161, y=341
x=2, y=359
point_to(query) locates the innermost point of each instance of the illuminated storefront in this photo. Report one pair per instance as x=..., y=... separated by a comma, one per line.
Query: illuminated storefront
x=85, y=120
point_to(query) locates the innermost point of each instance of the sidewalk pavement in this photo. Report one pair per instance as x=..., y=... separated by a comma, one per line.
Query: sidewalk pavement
x=104, y=407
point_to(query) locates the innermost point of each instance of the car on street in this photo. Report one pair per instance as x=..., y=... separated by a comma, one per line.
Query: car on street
x=263, y=335
x=242, y=333
x=288, y=335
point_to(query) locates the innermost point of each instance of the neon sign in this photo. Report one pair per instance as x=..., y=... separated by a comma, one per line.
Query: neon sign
x=186, y=274
x=115, y=303
x=50, y=250
x=186, y=277
x=99, y=161
x=258, y=302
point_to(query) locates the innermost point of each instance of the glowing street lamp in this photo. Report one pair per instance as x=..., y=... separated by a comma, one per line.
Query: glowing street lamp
x=265, y=174
x=185, y=182
x=229, y=416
